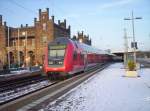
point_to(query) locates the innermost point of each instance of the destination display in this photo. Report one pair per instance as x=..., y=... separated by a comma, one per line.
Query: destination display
x=57, y=47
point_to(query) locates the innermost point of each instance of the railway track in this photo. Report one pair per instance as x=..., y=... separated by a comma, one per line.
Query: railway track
x=10, y=85
x=10, y=90
x=17, y=93
x=55, y=85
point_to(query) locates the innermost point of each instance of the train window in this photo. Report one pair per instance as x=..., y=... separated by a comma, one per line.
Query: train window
x=61, y=52
x=44, y=26
x=44, y=39
x=57, y=53
x=75, y=55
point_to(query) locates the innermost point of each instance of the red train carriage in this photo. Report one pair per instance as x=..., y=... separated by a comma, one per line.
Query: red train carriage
x=64, y=56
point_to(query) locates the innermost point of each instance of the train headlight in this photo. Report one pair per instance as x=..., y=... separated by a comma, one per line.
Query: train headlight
x=60, y=62
x=50, y=62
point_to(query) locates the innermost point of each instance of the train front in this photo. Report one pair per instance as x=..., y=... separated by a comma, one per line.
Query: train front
x=56, y=58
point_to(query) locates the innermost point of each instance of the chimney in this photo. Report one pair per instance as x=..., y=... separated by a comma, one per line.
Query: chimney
x=58, y=22
x=35, y=19
x=47, y=9
x=65, y=23
x=1, y=20
x=39, y=11
x=74, y=37
x=5, y=23
x=53, y=18
x=21, y=26
x=26, y=25
x=39, y=14
x=69, y=27
x=82, y=33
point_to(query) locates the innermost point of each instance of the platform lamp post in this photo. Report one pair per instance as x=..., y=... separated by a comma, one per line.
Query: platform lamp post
x=18, y=48
x=134, y=42
x=26, y=57
x=8, y=42
x=149, y=38
x=25, y=45
x=126, y=48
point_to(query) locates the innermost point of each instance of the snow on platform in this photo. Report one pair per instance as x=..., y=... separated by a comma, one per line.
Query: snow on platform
x=108, y=90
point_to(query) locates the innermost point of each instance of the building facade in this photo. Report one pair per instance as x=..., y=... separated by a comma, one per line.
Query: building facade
x=81, y=37
x=26, y=44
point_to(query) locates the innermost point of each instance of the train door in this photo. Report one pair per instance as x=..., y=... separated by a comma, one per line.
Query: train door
x=75, y=57
x=85, y=60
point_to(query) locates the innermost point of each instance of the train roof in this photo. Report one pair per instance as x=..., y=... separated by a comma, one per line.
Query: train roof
x=91, y=49
x=60, y=40
x=85, y=47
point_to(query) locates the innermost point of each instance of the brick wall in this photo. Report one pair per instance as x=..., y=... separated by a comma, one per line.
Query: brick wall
x=44, y=30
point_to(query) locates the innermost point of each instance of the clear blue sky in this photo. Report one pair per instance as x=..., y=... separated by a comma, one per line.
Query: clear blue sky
x=101, y=19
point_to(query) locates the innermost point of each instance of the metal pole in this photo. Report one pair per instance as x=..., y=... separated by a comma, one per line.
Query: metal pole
x=126, y=47
x=134, y=48
x=18, y=49
x=8, y=50
x=149, y=37
x=26, y=49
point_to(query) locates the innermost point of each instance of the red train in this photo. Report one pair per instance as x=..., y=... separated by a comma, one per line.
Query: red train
x=65, y=56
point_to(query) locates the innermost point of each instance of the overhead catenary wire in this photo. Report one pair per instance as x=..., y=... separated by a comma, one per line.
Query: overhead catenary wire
x=21, y=6
x=10, y=11
x=52, y=4
x=61, y=10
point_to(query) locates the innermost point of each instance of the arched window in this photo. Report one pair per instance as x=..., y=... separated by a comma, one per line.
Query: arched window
x=44, y=39
x=44, y=26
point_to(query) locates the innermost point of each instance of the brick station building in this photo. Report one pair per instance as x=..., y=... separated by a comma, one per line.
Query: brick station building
x=27, y=43
x=81, y=37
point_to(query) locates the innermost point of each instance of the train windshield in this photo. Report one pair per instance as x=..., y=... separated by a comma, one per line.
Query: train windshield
x=57, y=51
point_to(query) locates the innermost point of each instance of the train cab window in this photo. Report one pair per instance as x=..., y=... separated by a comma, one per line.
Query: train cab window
x=57, y=53
x=75, y=55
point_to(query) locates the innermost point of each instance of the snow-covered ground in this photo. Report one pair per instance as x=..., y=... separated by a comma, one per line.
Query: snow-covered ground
x=108, y=90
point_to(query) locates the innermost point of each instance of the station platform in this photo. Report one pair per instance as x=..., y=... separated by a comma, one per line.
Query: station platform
x=108, y=90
